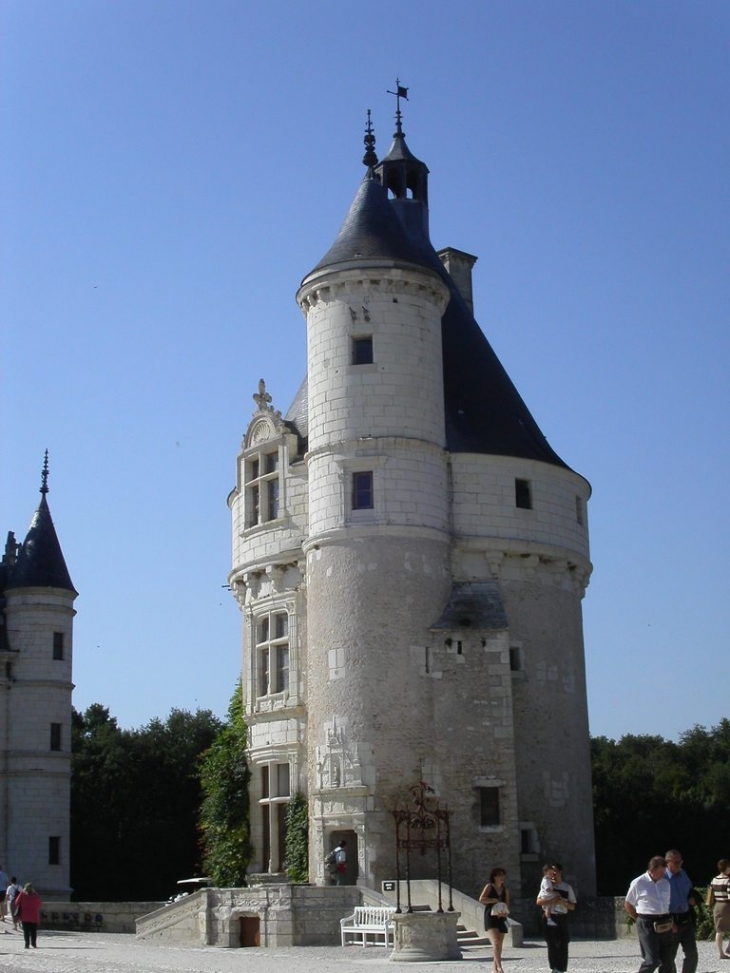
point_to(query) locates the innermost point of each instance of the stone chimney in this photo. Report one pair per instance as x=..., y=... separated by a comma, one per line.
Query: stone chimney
x=459, y=265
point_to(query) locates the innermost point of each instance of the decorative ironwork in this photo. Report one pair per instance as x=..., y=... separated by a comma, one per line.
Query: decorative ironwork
x=420, y=827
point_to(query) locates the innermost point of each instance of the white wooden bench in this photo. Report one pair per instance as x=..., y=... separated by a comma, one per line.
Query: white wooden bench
x=368, y=922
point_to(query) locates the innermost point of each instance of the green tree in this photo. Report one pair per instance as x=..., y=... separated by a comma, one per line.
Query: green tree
x=224, y=815
x=135, y=797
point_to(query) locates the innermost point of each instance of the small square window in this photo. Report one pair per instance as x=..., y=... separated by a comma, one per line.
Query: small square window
x=362, y=350
x=58, y=646
x=54, y=850
x=362, y=490
x=523, y=494
x=489, y=807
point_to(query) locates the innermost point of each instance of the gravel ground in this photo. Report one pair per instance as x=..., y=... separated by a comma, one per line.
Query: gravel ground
x=71, y=952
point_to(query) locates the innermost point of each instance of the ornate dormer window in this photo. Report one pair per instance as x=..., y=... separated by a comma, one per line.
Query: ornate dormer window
x=262, y=462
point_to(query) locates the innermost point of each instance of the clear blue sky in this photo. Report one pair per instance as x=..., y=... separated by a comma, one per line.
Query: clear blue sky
x=171, y=170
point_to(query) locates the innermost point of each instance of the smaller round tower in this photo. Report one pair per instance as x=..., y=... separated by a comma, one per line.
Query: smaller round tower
x=35, y=706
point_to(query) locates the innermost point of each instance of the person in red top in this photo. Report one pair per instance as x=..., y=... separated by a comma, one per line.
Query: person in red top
x=28, y=909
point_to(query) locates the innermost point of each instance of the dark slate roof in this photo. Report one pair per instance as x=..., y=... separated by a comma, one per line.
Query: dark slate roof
x=473, y=605
x=371, y=231
x=297, y=416
x=40, y=562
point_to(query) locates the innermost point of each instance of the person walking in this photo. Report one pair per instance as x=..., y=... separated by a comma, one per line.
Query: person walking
x=340, y=862
x=13, y=891
x=28, y=910
x=495, y=896
x=557, y=932
x=4, y=881
x=720, y=889
x=681, y=900
x=647, y=902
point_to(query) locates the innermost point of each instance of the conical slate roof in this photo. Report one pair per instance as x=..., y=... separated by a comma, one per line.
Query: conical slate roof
x=371, y=231
x=40, y=562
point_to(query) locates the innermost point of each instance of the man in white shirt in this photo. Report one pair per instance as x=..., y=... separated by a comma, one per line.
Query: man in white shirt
x=647, y=902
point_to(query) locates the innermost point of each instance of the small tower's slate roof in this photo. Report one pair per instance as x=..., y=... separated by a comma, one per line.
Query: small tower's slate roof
x=40, y=562
x=371, y=231
x=473, y=605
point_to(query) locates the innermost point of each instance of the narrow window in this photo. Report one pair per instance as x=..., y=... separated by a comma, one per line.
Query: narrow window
x=362, y=351
x=54, y=850
x=488, y=807
x=55, y=736
x=362, y=490
x=58, y=646
x=528, y=841
x=515, y=658
x=523, y=494
x=579, y=516
x=262, y=488
x=282, y=778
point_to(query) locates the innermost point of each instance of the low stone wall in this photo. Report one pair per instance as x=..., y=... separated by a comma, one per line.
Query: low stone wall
x=266, y=915
x=95, y=916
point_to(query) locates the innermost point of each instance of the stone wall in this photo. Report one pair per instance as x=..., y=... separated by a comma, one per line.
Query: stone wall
x=95, y=916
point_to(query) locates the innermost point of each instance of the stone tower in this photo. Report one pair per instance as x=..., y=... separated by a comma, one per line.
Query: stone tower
x=36, y=633
x=410, y=556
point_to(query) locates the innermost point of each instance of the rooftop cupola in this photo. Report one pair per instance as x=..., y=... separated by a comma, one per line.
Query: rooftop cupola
x=406, y=179
x=40, y=562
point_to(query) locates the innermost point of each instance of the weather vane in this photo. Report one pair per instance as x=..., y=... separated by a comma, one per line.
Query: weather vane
x=400, y=92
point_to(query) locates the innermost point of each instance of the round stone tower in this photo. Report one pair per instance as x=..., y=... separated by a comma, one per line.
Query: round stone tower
x=35, y=720
x=378, y=545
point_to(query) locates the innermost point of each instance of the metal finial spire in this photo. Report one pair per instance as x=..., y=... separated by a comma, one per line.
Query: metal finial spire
x=400, y=92
x=370, y=159
x=44, y=474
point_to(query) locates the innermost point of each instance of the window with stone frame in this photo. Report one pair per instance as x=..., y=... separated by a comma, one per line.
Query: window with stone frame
x=58, y=646
x=489, y=807
x=362, y=490
x=262, y=480
x=275, y=796
x=54, y=850
x=362, y=350
x=272, y=653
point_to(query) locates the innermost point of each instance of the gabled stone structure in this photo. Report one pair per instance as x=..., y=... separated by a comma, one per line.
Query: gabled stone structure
x=36, y=655
x=410, y=555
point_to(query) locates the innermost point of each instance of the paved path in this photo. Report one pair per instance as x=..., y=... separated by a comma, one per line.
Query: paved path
x=72, y=952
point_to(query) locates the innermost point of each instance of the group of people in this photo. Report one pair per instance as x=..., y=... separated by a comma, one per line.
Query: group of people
x=20, y=905
x=660, y=901
x=556, y=898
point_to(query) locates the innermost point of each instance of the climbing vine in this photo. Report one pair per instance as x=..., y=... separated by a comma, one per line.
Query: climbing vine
x=297, y=840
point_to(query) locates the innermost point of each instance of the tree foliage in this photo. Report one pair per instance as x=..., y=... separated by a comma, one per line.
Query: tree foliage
x=135, y=796
x=224, y=815
x=651, y=794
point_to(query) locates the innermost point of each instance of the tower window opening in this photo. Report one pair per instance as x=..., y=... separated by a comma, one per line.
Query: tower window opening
x=362, y=490
x=523, y=494
x=54, y=850
x=55, y=736
x=362, y=350
x=58, y=646
x=489, y=812
x=272, y=654
x=515, y=658
x=262, y=483
x=275, y=794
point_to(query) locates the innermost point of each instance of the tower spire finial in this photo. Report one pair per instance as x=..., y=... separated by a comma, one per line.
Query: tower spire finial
x=400, y=92
x=44, y=474
x=370, y=159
